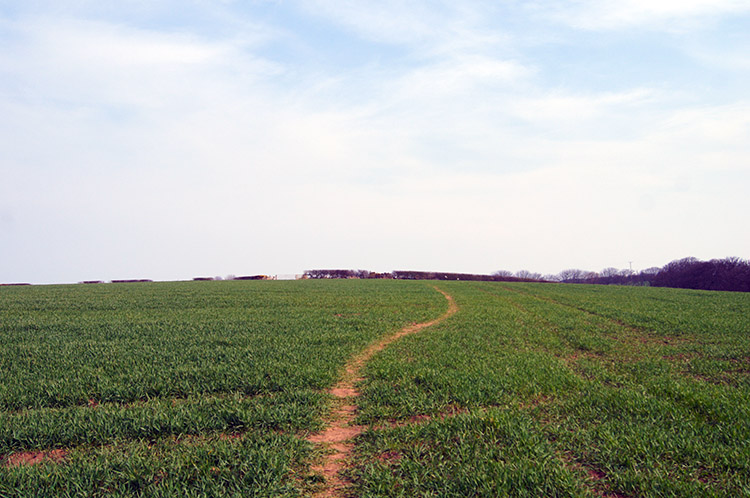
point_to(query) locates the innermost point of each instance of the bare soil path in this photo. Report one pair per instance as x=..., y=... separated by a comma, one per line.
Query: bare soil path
x=338, y=437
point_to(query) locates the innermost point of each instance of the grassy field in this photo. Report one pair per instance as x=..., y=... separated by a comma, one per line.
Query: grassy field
x=210, y=389
x=160, y=387
x=552, y=390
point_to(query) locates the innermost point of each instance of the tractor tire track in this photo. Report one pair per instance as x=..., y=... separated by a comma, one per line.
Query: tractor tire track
x=338, y=438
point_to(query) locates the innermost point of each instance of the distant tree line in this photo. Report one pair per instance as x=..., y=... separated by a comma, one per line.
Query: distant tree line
x=413, y=275
x=425, y=275
x=337, y=274
x=729, y=274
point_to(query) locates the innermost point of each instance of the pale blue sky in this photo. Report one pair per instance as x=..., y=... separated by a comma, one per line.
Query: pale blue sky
x=166, y=140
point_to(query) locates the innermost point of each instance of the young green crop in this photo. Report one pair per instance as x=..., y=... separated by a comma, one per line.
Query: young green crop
x=68, y=345
x=130, y=367
x=255, y=464
x=489, y=453
x=632, y=392
x=209, y=389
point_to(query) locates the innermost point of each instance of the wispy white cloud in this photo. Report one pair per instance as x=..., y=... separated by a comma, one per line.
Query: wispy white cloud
x=461, y=77
x=389, y=21
x=179, y=151
x=677, y=15
x=93, y=60
x=569, y=112
x=422, y=29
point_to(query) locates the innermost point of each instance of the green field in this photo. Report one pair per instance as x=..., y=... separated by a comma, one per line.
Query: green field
x=211, y=389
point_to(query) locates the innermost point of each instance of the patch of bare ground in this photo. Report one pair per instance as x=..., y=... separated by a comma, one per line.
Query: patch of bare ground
x=723, y=379
x=542, y=399
x=601, y=488
x=421, y=419
x=60, y=455
x=680, y=357
x=704, y=476
x=596, y=478
x=34, y=457
x=338, y=438
x=734, y=370
x=389, y=457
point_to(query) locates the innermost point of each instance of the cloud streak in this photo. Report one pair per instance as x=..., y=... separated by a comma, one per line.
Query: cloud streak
x=669, y=15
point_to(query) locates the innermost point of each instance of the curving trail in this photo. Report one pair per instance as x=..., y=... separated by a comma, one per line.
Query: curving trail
x=339, y=435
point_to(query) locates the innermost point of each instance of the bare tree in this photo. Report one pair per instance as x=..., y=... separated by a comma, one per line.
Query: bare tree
x=609, y=272
x=590, y=276
x=528, y=275
x=572, y=275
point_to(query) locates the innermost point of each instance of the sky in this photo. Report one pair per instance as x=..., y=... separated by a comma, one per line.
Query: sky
x=168, y=139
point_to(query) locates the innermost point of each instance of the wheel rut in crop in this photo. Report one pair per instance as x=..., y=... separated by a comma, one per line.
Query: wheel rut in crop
x=338, y=438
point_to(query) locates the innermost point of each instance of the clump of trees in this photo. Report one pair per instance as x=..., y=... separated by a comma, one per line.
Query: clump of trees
x=431, y=275
x=522, y=275
x=421, y=275
x=337, y=274
x=729, y=274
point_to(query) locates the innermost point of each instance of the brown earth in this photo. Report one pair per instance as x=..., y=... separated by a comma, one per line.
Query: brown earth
x=34, y=457
x=338, y=438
